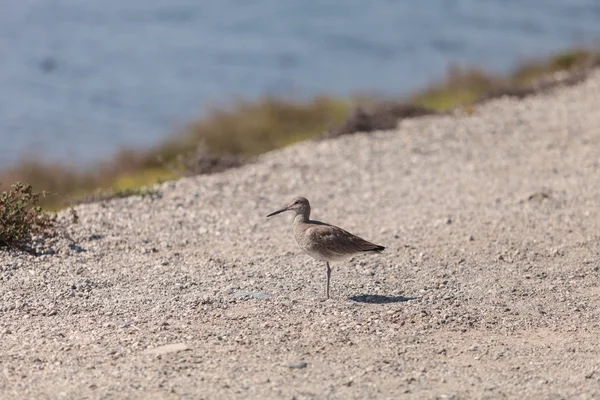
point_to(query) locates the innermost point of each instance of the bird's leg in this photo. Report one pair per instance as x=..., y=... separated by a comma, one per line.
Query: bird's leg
x=328, y=277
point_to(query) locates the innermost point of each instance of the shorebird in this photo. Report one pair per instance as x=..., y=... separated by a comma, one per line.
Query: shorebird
x=322, y=241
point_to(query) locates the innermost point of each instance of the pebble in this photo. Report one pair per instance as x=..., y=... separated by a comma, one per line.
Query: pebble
x=298, y=365
x=167, y=349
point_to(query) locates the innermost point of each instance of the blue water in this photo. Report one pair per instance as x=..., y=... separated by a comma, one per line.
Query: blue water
x=79, y=79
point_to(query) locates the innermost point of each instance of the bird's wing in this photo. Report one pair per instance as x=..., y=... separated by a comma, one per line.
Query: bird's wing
x=337, y=241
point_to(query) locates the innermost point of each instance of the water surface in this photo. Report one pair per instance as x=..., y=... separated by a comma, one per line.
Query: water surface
x=80, y=79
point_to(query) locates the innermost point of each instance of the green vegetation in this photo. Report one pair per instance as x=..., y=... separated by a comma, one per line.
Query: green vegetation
x=228, y=136
x=107, y=194
x=21, y=216
x=531, y=70
x=459, y=88
x=249, y=128
x=464, y=87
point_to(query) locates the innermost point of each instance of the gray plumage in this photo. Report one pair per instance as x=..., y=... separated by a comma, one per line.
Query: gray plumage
x=323, y=241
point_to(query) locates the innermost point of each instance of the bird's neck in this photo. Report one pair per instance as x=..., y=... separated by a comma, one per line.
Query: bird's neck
x=300, y=218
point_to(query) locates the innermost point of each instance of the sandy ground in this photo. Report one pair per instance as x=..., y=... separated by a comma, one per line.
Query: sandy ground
x=489, y=287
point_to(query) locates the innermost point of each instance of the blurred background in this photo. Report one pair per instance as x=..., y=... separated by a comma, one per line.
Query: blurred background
x=82, y=79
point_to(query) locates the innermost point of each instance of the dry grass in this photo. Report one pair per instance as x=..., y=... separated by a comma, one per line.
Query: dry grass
x=228, y=136
x=21, y=217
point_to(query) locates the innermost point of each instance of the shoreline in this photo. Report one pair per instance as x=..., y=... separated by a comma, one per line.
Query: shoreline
x=227, y=141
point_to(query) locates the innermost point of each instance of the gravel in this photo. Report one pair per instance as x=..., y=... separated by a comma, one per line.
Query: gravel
x=489, y=286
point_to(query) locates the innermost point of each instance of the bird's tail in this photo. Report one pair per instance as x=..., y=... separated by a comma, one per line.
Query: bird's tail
x=377, y=249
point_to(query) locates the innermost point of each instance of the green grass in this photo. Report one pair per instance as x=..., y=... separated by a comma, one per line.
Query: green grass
x=563, y=61
x=243, y=129
x=248, y=128
x=459, y=88
x=144, y=177
x=108, y=194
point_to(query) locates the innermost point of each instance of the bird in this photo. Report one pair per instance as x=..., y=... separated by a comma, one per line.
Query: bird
x=322, y=241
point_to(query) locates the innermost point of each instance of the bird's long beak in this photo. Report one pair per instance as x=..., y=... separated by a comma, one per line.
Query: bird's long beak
x=278, y=211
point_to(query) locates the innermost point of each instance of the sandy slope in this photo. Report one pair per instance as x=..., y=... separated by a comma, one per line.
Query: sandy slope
x=490, y=287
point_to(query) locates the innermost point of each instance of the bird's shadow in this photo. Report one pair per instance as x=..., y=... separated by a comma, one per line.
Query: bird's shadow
x=380, y=299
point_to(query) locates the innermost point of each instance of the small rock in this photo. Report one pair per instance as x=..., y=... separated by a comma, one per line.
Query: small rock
x=590, y=375
x=298, y=365
x=168, y=348
x=448, y=396
x=538, y=197
x=251, y=295
x=124, y=324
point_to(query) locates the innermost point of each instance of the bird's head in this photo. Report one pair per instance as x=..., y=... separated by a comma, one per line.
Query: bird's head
x=299, y=205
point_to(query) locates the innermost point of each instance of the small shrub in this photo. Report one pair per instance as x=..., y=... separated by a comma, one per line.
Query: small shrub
x=21, y=217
